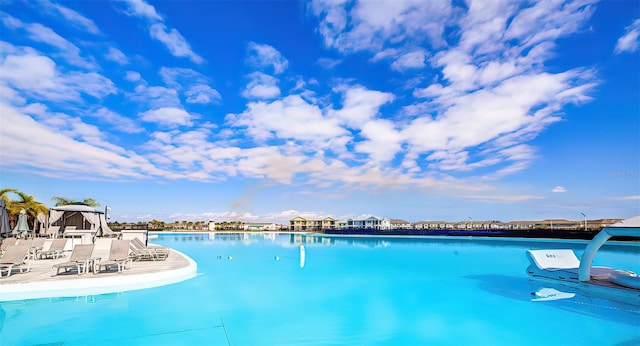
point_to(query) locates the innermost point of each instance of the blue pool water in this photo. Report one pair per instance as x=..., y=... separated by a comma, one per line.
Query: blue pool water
x=251, y=290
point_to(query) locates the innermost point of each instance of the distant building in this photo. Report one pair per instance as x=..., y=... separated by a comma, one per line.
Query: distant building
x=559, y=224
x=312, y=225
x=260, y=226
x=370, y=222
x=299, y=223
x=400, y=224
x=520, y=225
x=377, y=223
x=433, y=225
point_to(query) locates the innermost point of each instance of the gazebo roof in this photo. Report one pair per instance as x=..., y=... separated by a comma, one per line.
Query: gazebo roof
x=77, y=208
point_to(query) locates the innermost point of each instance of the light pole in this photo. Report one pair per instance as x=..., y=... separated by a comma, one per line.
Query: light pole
x=585, y=221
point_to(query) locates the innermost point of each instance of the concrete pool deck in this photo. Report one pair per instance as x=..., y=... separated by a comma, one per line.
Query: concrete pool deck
x=38, y=282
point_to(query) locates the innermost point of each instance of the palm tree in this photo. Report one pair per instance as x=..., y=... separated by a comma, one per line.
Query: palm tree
x=3, y=194
x=155, y=224
x=26, y=202
x=66, y=201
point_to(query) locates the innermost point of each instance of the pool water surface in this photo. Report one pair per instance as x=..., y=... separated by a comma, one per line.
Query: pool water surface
x=252, y=289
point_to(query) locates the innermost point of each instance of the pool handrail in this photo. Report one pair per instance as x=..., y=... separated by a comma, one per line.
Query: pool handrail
x=627, y=228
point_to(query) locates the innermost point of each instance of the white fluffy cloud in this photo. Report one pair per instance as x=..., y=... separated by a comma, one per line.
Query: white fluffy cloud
x=261, y=86
x=65, y=146
x=72, y=17
x=629, y=41
x=156, y=96
x=170, y=37
x=38, y=76
x=559, y=189
x=132, y=76
x=264, y=55
x=29, y=71
x=174, y=41
x=116, y=120
x=169, y=116
x=409, y=61
x=382, y=141
x=203, y=94
x=40, y=33
x=192, y=84
x=139, y=8
x=359, y=105
x=291, y=118
x=370, y=25
x=116, y=55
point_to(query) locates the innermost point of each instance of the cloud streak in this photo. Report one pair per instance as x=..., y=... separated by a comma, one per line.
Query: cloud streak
x=175, y=43
x=629, y=41
x=74, y=18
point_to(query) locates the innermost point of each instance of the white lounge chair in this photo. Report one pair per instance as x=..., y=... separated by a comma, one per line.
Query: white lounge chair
x=15, y=256
x=554, y=259
x=118, y=256
x=79, y=260
x=37, y=244
x=6, y=242
x=560, y=264
x=56, y=249
x=51, y=232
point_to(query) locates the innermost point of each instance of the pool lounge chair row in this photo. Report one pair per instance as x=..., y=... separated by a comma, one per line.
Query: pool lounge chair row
x=140, y=251
x=35, y=245
x=82, y=260
x=17, y=253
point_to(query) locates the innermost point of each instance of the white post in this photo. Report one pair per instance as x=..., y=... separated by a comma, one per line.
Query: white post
x=585, y=221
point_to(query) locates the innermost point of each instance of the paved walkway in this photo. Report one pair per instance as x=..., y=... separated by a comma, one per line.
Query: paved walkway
x=39, y=282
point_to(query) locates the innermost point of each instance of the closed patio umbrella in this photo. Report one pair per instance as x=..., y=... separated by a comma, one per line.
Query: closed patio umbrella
x=22, y=227
x=39, y=224
x=5, y=229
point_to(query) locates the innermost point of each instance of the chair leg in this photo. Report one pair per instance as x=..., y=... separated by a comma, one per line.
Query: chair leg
x=9, y=269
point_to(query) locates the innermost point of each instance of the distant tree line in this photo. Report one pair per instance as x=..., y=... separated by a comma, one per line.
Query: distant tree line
x=156, y=225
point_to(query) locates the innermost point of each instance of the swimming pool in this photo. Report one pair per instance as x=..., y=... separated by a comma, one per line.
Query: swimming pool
x=251, y=290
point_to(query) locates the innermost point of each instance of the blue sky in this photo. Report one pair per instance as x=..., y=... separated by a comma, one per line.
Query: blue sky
x=264, y=110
